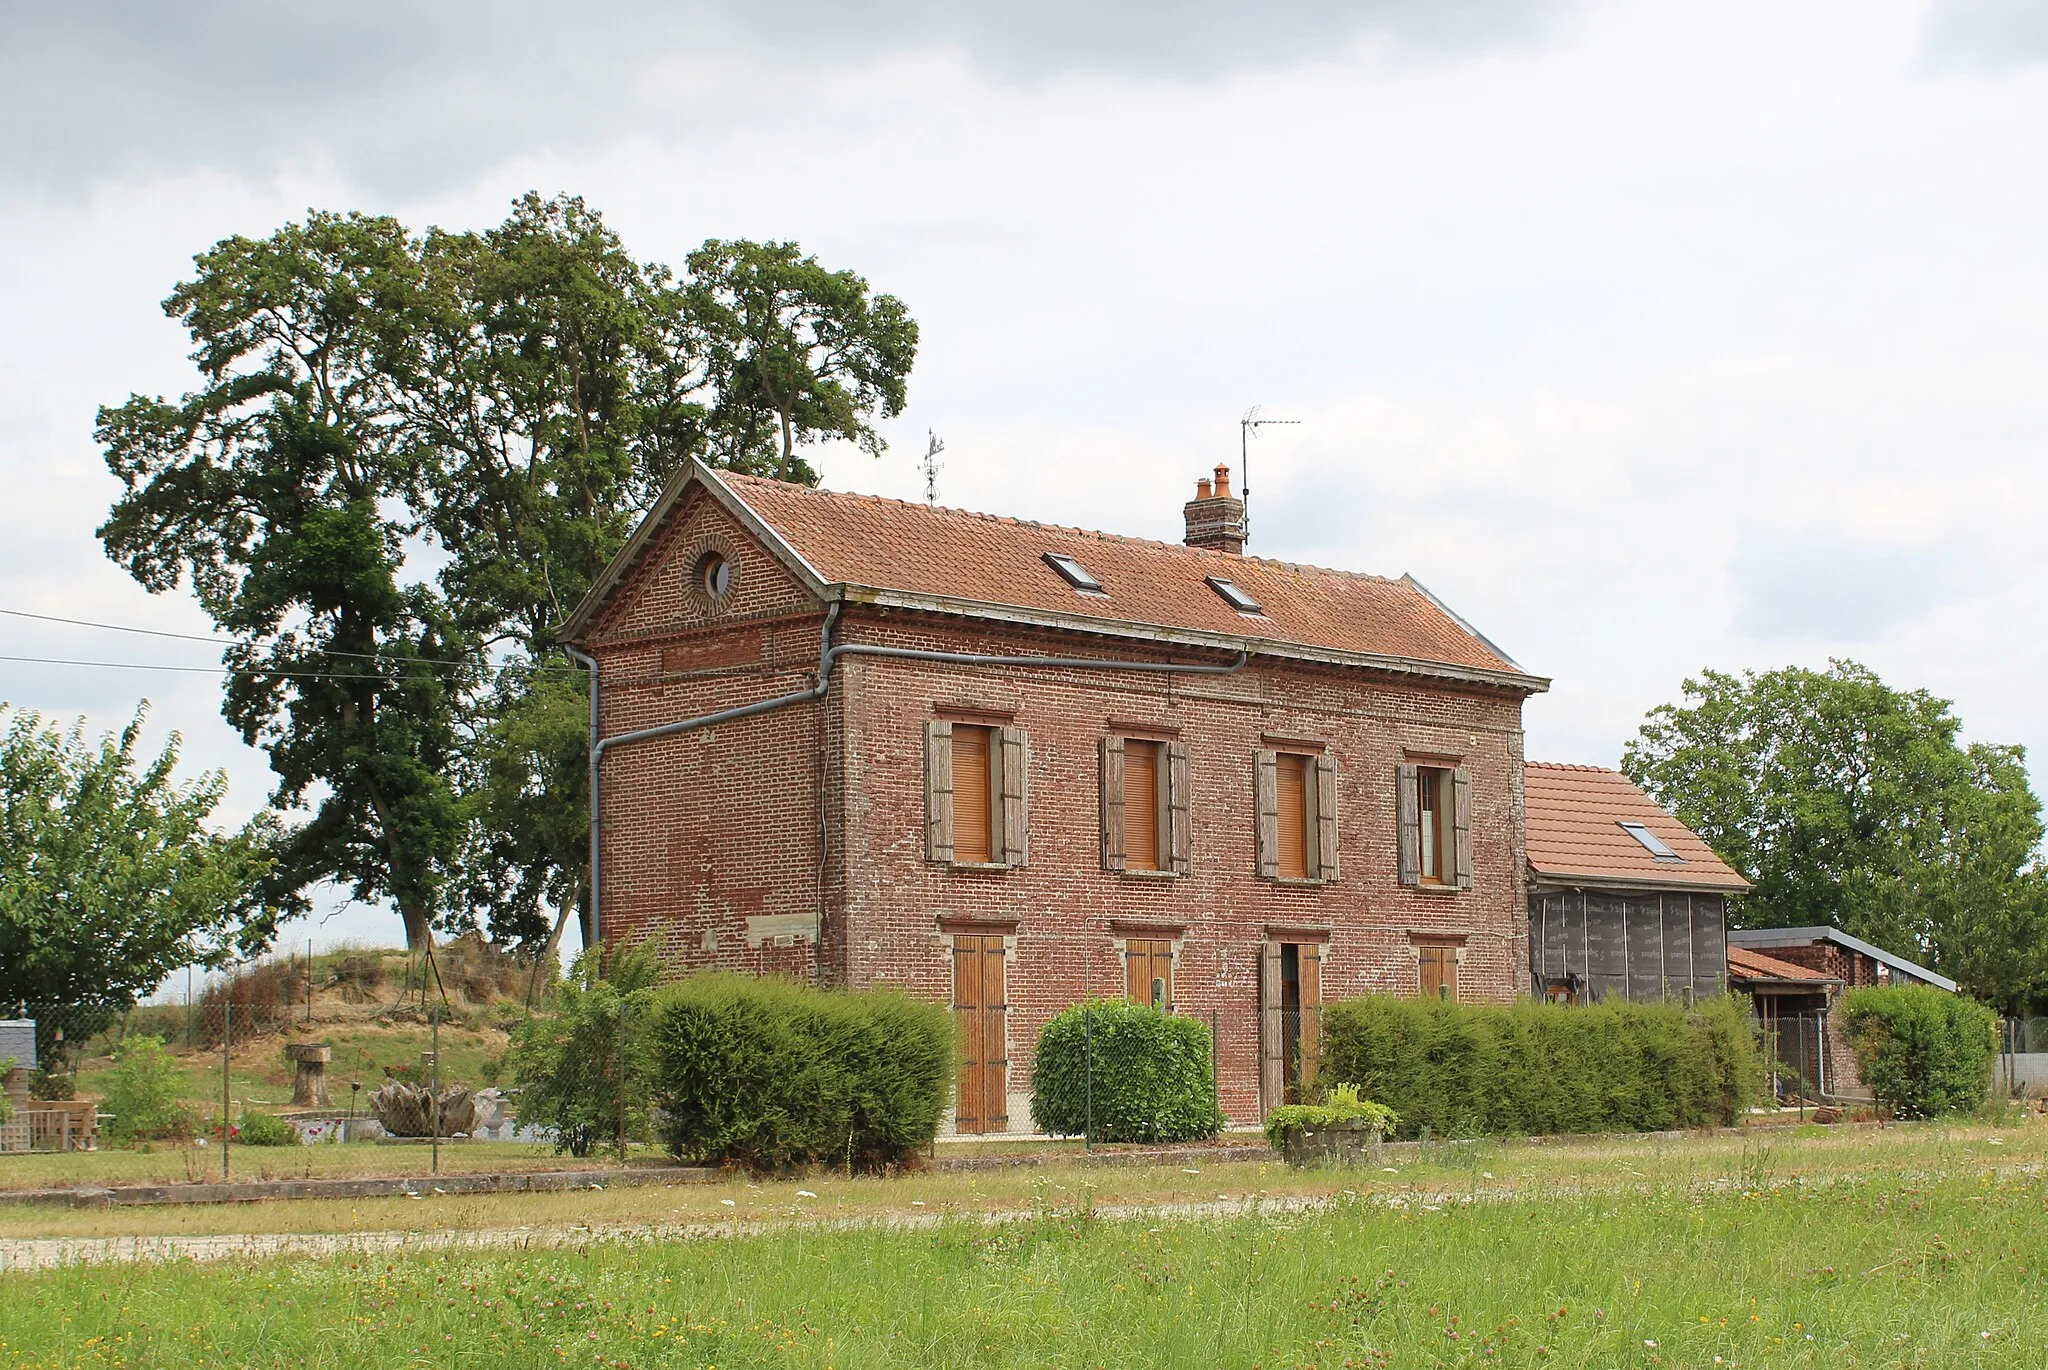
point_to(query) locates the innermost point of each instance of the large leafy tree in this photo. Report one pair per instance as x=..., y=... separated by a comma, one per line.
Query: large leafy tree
x=110, y=877
x=1851, y=804
x=282, y=491
x=409, y=459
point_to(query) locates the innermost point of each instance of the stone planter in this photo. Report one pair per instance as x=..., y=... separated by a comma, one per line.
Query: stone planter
x=1352, y=1142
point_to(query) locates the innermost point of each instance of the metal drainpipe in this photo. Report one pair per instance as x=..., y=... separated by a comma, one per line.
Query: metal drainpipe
x=828, y=657
x=590, y=921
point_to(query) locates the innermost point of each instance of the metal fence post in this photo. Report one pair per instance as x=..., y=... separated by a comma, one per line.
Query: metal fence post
x=434, y=1097
x=1216, y=1058
x=227, y=1038
x=1088, y=1079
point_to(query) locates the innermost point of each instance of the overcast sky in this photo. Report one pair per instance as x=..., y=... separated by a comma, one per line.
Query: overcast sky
x=1650, y=336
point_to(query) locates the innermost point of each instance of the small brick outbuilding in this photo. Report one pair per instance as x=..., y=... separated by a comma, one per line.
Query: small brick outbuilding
x=1008, y=766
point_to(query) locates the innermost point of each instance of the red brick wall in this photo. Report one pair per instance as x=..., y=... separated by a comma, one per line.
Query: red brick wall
x=726, y=844
x=1065, y=947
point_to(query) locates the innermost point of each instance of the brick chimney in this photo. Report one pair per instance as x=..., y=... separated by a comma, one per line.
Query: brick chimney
x=1215, y=516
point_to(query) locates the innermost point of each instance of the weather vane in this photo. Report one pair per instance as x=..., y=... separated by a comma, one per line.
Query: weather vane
x=931, y=466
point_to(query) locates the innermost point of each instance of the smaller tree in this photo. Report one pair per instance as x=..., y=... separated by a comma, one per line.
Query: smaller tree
x=583, y=1071
x=803, y=354
x=143, y=1093
x=110, y=878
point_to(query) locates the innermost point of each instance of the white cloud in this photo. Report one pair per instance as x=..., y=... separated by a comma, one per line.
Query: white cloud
x=1673, y=336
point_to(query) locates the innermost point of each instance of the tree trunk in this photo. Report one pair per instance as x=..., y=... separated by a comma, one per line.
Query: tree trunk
x=788, y=447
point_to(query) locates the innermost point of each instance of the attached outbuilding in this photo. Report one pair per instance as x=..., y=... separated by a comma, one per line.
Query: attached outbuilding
x=1624, y=900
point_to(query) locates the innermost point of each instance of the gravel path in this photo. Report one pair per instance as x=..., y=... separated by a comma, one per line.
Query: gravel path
x=45, y=1253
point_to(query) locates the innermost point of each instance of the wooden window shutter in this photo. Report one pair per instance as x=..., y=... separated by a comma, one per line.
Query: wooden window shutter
x=1326, y=817
x=1266, y=791
x=1143, y=808
x=1272, y=1038
x=1179, y=817
x=1112, y=803
x=1294, y=796
x=974, y=795
x=1461, y=818
x=1408, y=822
x=938, y=791
x=1014, y=823
x=1311, y=954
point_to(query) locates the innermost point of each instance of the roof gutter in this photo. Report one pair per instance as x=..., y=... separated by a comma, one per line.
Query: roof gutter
x=828, y=657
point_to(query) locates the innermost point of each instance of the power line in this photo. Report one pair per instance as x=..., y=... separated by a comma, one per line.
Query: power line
x=229, y=642
x=274, y=672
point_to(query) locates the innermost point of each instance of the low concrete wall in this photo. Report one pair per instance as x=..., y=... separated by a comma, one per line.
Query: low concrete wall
x=2025, y=1072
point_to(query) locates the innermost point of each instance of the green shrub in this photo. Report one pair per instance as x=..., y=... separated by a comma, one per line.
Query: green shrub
x=50, y=1083
x=771, y=1074
x=1922, y=1051
x=1343, y=1105
x=1525, y=1069
x=6, y=1104
x=265, y=1129
x=143, y=1093
x=583, y=1071
x=1152, y=1082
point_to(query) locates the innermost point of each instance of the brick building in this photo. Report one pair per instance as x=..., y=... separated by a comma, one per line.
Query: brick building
x=1832, y=961
x=1008, y=766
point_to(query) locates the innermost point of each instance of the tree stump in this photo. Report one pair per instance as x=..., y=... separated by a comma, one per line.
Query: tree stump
x=309, y=1073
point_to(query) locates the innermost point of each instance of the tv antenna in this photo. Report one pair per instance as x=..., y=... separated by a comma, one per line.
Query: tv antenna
x=931, y=467
x=1248, y=428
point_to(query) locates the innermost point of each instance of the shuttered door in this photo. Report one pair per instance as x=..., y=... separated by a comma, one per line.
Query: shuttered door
x=1292, y=802
x=979, y=1010
x=1148, y=963
x=971, y=824
x=1141, y=806
x=1439, y=972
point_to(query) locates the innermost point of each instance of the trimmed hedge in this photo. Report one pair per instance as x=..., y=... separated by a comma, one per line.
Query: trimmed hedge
x=1528, y=1069
x=1152, y=1075
x=1922, y=1051
x=770, y=1074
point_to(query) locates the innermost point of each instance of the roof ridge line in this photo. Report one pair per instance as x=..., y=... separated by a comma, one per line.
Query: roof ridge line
x=1096, y=533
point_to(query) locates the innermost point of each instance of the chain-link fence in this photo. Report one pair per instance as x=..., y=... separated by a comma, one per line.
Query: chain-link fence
x=1796, y=1051
x=265, y=1071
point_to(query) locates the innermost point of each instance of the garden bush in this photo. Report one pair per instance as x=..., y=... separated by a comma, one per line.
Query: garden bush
x=771, y=1074
x=1524, y=1069
x=1922, y=1051
x=584, y=1070
x=265, y=1129
x=143, y=1089
x=1152, y=1075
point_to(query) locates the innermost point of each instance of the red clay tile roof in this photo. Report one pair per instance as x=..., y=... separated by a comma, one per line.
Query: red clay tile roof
x=1744, y=964
x=891, y=545
x=1574, y=826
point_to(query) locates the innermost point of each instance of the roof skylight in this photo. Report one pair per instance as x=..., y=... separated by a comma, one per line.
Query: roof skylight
x=1234, y=595
x=1074, y=573
x=1654, y=844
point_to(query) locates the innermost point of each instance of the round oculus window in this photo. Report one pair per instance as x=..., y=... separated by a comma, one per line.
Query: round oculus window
x=713, y=576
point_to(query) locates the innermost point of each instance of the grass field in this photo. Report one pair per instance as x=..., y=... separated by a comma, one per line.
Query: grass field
x=1914, y=1247
x=1875, y=1271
